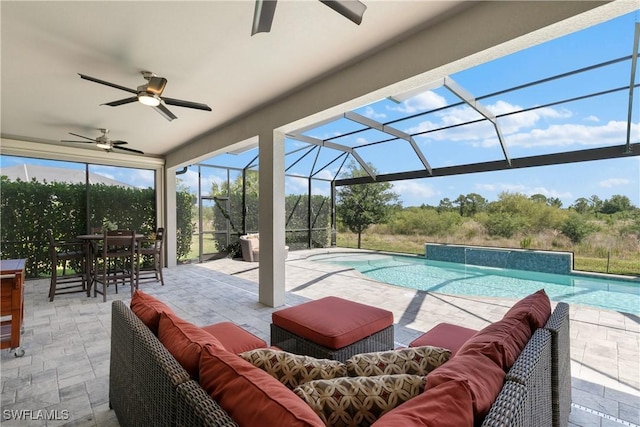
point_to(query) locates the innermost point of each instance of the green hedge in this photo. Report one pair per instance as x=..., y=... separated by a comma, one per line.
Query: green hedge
x=28, y=209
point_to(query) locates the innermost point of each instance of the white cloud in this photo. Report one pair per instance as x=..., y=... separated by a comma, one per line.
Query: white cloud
x=614, y=182
x=523, y=189
x=414, y=192
x=592, y=119
x=372, y=114
x=326, y=173
x=425, y=101
x=515, y=122
x=483, y=133
x=565, y=135
x=189, y=179
x=486, y=187
x=295, y=185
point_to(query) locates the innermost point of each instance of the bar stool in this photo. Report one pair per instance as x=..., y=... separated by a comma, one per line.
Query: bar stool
x=63, y=253
x=117, y=261
x=152, y=272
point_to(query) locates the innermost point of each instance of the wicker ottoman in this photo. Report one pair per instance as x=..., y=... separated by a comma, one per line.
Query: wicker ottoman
x=332, y=328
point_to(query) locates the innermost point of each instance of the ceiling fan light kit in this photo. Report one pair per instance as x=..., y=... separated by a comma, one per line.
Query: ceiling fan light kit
x=148, y=99
x=104, y=142
x=149, y=94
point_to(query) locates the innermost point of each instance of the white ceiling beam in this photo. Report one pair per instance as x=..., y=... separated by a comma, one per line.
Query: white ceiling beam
x=472, y=102
x=391, y=131
x=333, y=145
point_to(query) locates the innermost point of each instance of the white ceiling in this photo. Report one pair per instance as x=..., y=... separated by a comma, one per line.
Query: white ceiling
x=203, y=48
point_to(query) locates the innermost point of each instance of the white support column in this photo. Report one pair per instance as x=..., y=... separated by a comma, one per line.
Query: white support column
x=271, y=279
x=170, y=224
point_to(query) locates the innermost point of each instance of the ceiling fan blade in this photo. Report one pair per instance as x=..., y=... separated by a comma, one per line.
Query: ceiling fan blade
x=187, y=104
x=164, y=112
x=116, y=147
x=350, y=9
x=85, y=137
x=102, y=82
x=119, y=142
x=263, y=16
x=156, y=85
x=82, y=142
x=122, y=101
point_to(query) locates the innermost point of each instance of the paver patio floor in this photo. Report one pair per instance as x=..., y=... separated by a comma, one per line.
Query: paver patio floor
x=66, y=366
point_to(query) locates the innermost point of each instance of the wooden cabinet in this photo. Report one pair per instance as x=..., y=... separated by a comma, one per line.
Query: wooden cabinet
x=12, y=303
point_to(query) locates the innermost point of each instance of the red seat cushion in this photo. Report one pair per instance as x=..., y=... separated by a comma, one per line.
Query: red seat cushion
x=184, y=341
x=536, y=307
x=251, y=396
x=233, y=338
x=482, y=376
x=148, y=309
x=445, y=335
x=447, y=405
x=333, y=322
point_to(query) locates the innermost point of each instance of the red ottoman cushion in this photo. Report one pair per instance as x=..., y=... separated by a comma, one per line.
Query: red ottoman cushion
x=233, y=338
x=445, y=335
x=333, y=322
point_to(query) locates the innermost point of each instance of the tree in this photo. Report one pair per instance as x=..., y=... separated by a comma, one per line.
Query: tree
x=362, y=205
x=596, y=203
x=581, y=205
x=616, y=203
x=540, y=198
x=554, y=202
x=445, y=205
x=470, y=204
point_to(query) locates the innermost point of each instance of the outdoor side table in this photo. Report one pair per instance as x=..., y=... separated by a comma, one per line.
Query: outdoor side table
x=332, y=328
x=12, y=273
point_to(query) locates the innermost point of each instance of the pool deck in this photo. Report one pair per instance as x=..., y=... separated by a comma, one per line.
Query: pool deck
x=66, y=365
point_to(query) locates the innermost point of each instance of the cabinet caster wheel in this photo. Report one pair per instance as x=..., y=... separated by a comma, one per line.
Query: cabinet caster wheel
x=19, y=352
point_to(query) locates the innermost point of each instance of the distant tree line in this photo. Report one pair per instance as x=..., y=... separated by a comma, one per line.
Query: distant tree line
x=363, y=205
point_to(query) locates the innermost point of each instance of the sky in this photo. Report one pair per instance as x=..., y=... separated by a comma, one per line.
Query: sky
x=590, y=123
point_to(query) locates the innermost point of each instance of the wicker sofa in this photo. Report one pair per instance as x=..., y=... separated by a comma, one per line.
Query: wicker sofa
x=147, y=385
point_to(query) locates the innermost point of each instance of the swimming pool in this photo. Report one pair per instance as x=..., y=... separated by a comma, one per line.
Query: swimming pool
x=460, y=279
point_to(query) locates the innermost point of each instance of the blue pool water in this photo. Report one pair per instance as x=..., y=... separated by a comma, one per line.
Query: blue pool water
x=459, y=279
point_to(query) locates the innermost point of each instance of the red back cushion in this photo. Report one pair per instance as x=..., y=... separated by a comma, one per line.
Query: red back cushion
x=234, y=339
x=535, y=307
x=184, y=341
x=449, y=404
x=251, y=396
x=501, y=341
x=481, y=375
x=148, y=309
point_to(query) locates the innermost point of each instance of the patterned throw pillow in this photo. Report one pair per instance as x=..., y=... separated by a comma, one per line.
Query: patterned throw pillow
x=291, y=369
x=411, y=360
x=358, y=401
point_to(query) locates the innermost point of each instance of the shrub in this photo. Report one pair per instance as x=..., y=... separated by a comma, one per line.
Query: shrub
x=526, y=242
x=576, y=228
x=502, y=224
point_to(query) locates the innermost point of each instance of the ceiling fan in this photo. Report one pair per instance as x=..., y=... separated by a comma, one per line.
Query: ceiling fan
x=150, y=94
x=104, y=142
x=265, y=9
